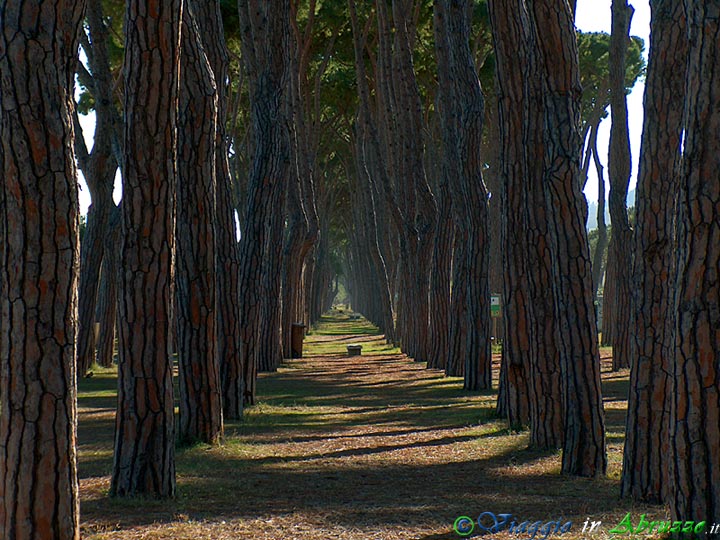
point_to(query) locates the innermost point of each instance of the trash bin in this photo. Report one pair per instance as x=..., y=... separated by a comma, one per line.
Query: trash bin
x=296, y=340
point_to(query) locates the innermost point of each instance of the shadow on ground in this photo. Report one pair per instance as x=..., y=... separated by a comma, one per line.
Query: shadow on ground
x=374, y=446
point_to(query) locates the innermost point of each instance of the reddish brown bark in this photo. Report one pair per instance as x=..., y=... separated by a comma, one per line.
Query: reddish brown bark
x=39, y=261
x=144, y=460
x=646, y=459
x=195, y=297
x=584, y=431
x=695, y=410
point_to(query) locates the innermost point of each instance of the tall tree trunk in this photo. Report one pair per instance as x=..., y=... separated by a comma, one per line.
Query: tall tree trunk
x=511, y=42
x=107, y=305
x=598, y=269
x=265, y=43
x=209, y=19
x=584, y=435
x=620, y=255
x=403, y=126
x=371, y=164
x=270, y=327
x=144, y=460
x=695, y=411
x=39, y=271
x=608, y=307
x=99, y=168
x=646, y=459
x=477, y=372
x=195, y=295
x=531, y=389
x=440, y=280
x=457, y=339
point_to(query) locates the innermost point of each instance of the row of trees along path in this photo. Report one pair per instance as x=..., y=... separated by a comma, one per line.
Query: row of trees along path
x=349, y=447
x=425, y=153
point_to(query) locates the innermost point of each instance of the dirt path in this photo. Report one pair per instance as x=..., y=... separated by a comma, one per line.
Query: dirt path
x=369, y=447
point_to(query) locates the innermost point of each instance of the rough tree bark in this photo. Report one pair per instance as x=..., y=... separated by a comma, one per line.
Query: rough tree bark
x=209, y=19
x=144, y=459
x=511, y=43
x=195, y=296
x=646, y=459
x=531, y=386
x=695, y=411
x=598, y=269
x=265, y=42
x=107, y=303
x=620, y=254
x=440, y=279
x=39, y=271
x=477, y=372
x=270, y=339
x=584, y=431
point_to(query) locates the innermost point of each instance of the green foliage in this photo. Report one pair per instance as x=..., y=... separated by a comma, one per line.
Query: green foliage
x=593, y=51
x=113, y=16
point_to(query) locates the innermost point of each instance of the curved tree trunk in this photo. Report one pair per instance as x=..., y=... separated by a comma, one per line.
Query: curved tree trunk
x=695, y=411
x=646, y=459
x=39, y=271
x=144, y=459
x=195, y=297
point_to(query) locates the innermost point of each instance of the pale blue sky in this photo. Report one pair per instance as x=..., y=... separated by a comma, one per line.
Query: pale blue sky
x=592, y=16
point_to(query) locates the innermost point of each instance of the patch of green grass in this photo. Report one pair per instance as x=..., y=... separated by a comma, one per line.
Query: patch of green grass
x=373, y=446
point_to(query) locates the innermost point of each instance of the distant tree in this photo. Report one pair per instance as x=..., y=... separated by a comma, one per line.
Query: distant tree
x=144, y=459
x=39, y=262
x=695, y=410
x=265, y=43
x=620, y=256
x=99, y=167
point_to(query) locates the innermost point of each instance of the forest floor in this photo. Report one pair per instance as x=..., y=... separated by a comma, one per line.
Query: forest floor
x=369, y=447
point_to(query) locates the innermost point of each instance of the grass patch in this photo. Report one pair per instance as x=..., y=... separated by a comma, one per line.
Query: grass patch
x=374, y=446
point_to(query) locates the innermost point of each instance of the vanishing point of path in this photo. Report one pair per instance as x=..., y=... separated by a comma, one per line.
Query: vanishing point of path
x=338, y=447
